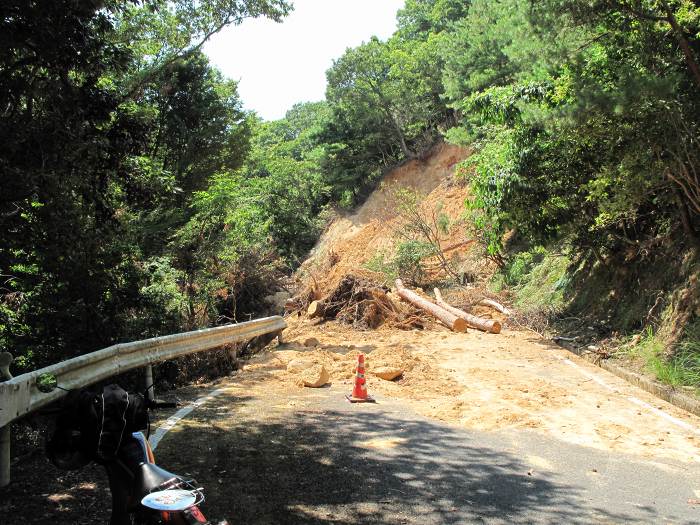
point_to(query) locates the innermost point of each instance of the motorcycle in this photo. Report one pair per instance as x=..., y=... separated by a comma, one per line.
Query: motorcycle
x=143, y=493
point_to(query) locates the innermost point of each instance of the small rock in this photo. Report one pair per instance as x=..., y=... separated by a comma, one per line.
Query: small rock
x=311, y=342
x=388, y=373
x=315, y=377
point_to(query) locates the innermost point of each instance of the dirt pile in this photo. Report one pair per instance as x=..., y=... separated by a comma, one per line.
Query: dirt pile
x=353, y=239
x=295, y=363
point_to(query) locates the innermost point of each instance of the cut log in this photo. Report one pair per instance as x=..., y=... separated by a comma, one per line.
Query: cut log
x=451, y=320
x=395, y=301
x=485, y=325
x=497, y=306
x=315, y=309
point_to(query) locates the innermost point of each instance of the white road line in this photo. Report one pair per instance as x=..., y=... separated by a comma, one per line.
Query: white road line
x=632, y=399
x=588, y=374
x=664, y=415
x=177, y=416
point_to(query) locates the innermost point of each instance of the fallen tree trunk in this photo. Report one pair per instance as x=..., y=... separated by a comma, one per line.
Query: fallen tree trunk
x=451, y=320
x=485, y=325
x=497, y=306
x=315, y=309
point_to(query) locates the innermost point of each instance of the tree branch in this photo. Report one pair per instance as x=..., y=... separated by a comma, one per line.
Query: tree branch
x=182, y=53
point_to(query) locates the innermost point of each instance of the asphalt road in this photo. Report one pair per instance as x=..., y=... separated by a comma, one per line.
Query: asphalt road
x=316, y=459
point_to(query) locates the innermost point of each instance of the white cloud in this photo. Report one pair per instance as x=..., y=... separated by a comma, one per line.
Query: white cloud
x=281, y=64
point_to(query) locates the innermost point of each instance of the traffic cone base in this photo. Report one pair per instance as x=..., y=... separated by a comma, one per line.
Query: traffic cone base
x=367, y=399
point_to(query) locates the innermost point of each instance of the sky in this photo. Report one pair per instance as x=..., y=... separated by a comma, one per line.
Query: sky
x=278, y=65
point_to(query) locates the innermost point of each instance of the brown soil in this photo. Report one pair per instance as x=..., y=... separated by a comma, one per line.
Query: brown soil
x=476, y=380
x=513, y=380
x=353, y=239
x=487, y=382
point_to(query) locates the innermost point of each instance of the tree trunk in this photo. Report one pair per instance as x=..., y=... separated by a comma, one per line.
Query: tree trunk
x=686, y=221
x=402, y=140
x=494, y=304
x=683, y=42
x=315, y=309
x=485, y=325
x=452, y=321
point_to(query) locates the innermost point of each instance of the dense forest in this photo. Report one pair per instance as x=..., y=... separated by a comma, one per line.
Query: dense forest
x=138, y=198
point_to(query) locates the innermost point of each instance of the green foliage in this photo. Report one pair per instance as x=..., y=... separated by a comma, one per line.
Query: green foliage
x=492, y=46
x=580, y=139
x=538, y=278
x=385, y=107
x=421, y=18
x=251, y=222
x=110, y=120
x=490, y=173
x=383, y=85
x=163, y=295
x=409, y=258
x=680, y=369
x=407, y=262
x=382, y=263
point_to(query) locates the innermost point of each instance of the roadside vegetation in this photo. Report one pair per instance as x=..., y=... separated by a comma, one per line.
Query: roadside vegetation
x=137, y=197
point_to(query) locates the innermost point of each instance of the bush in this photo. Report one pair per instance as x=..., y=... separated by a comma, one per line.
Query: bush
x=539, y=279
x=680, y=369
x=409, y=258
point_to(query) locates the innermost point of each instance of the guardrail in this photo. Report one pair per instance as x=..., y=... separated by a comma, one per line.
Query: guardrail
x=20, y=395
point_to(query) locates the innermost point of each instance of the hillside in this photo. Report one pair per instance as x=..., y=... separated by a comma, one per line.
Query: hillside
x=353, y=239
x=453, y=377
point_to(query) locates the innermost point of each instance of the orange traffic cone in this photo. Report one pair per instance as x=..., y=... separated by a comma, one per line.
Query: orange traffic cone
x=359, y=393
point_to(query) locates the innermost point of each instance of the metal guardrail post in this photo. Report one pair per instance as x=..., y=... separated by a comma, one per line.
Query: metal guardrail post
x=150, y=386
x=5, y=375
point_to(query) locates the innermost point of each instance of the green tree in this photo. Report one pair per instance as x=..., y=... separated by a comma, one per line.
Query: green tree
x=161, y=32
x=79, y=164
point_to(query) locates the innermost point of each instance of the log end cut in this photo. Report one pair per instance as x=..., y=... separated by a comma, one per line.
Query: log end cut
x=315, y=309
x=460, y=325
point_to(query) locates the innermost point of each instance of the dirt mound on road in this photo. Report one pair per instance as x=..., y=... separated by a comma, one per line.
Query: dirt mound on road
x=419, y=374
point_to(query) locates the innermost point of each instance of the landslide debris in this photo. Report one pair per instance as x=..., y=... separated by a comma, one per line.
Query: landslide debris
x=364, y=304
x=395, y=366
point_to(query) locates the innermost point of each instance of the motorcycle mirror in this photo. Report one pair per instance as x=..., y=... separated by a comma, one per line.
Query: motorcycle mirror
x=46, y=383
